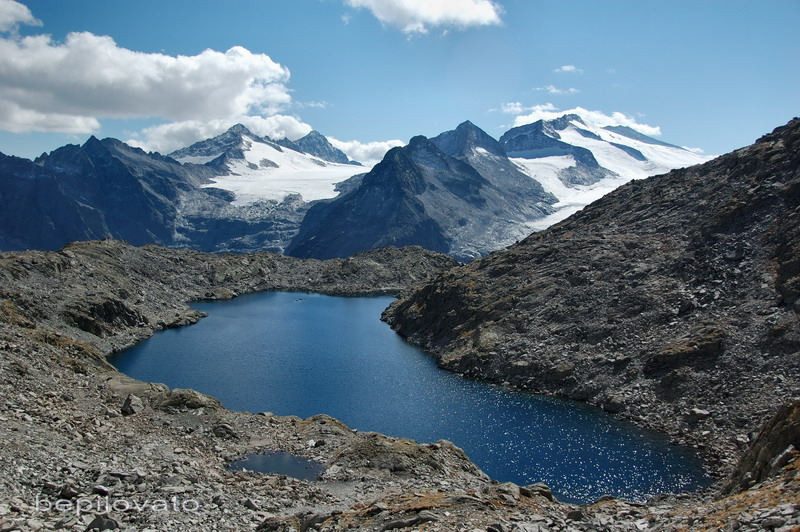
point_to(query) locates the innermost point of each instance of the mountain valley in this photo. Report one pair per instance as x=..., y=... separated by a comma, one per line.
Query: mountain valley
x=457, y=193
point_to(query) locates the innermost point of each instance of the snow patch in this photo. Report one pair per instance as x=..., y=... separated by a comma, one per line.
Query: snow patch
x=296, y=173
x=197, y=159
x=571, y=198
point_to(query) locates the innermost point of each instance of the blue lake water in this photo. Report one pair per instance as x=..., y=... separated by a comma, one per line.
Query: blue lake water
x=306, y=354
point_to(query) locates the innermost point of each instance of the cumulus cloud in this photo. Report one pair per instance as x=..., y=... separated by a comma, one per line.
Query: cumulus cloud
x=418, y=16
x=548, y=111
x=367, y=153
x=69, y=86
x=552, y=89
x=571, y=69
x=165, y=138
x=12, y=14
x=89, y=77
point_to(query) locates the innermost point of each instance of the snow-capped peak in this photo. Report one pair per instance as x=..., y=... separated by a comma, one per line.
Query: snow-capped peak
x=257, y=168
x=578, y=161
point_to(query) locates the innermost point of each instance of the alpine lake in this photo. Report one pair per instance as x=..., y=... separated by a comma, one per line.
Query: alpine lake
x=306, y=354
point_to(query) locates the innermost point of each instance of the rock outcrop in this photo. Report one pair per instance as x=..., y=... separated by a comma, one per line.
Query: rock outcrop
x=672, y=301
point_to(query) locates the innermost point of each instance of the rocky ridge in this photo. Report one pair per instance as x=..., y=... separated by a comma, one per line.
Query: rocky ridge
x=457, y=194
x=315, y=143
x=76, y=432
x=671, y=301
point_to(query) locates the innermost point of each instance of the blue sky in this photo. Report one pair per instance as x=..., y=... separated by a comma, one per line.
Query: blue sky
x=709, y=74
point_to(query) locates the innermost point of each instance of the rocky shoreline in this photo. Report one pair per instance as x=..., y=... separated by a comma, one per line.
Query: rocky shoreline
x=671, y=302
x=80, y=439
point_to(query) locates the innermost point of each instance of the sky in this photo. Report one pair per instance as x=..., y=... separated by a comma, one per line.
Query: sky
x=712, y=75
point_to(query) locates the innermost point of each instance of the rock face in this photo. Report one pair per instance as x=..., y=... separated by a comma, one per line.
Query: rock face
x=316, y=144
x=457, y=194
x=775, y=447
x=674, y=293
x=38, y=212
x=107, y=189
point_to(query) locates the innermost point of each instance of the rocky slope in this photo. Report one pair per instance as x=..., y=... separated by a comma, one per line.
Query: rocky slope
x=83, y=445
x=107, y=189
x=672, y=301
x=457, y=193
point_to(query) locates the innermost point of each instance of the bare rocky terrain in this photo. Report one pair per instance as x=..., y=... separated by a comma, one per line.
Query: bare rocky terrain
x=87, y=448
x=672, y=301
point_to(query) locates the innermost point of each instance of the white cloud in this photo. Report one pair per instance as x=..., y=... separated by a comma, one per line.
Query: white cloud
x=70, y=86
x=90, y=77
x=312, y=105
x=12, y=14
x=698, y=151
x=552, y=89
x=368, y=153
x=527, y=115
x=516, y=108
x=418, y=16
x=571, y=69
x=165, y=138
x=17, y=119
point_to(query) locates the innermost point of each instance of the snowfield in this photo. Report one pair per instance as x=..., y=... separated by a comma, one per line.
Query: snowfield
x=572, y=198
x=257, y=178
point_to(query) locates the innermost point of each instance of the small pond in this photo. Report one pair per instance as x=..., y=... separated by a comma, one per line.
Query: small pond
x=281, y=463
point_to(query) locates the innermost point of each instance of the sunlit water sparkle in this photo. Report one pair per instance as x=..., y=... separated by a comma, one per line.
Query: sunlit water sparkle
x=306, y=354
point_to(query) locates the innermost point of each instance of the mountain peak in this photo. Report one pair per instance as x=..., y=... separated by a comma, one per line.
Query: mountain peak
x=94, y=145
x=563, y=121
x=239, y=129
x=417, y=140
x=464, y=139
x=216, y=146
x=317, y=144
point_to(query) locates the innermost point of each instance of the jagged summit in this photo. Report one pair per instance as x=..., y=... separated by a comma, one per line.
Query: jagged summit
x=541, y=139
x=466, y=137
x=467, y=202
x=206, y=150
x=239, y=129
x=315, y=143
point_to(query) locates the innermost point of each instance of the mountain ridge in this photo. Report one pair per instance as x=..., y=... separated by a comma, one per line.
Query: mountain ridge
x=240, y=192
x=443, y=201
x=671, y=301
